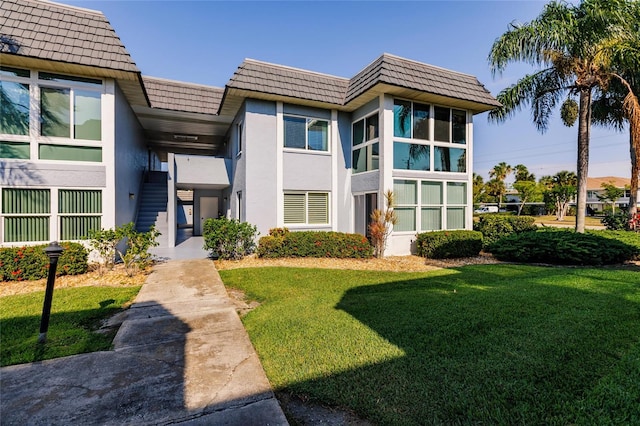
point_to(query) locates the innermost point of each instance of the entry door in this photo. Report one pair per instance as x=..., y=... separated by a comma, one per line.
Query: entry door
x=208, y=209
x=364, y=206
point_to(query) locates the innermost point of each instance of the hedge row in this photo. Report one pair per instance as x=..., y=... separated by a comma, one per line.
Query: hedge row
x=564, y=247
x=449, y=244
x=31, y=262
x=282, y=243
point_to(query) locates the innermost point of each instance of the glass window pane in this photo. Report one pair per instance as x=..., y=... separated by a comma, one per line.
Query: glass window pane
x=294, y=208
x=318, y=207
x=456, y=193
x=421, y=121
x=318, y=135
x=450, y=159
x=14, y=72
x=14, y=108
x=402, y=119
x=455, y=218
x=373, y=152
x=405, y=191
x=55, y=112
x=295, y=132
x=459, y=126
x=70, y=153
x=372, y=127
x=408, y=156
x=359, y=160
x=358, y=132
x=431, y=219
x=441, y=124
x=87, y=82
x=21, y=150
x=431, y=193
x=87, y=115
x=406, y=219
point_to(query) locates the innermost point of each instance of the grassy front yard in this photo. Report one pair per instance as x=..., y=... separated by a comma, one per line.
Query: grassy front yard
x=75, y=315
x=485, y=344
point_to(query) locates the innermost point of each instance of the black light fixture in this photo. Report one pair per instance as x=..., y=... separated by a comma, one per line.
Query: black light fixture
x=53, y=251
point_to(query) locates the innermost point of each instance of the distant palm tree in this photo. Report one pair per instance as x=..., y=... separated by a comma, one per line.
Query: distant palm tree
x=499, y=173
x=568, y=41
x=522, y=174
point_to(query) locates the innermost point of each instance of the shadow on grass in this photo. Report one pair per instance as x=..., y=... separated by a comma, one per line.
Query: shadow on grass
x=487, y=345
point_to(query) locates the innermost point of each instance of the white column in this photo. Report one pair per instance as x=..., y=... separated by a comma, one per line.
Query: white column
x=279, y=164
x=334, y=170
x=172, y=218
x=109, y=205
x=469, y=210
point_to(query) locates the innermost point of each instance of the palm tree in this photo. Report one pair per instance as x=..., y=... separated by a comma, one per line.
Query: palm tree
x=499, y=173
x=522, y=174
x=567, y=41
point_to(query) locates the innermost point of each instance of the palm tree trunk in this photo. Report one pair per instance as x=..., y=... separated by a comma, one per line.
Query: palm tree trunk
x=634, y=139
x=584, y=128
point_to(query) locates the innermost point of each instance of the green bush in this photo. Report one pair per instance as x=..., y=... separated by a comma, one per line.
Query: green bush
x=562, y=247
x=629, y=238
x=229, y=238
x=31, y=263
x=496, y=226
x=449, y=244
x=314, y=244
x=136, y=254
x=618, y=221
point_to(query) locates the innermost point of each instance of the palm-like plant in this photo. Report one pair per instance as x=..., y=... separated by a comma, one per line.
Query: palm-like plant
x=568, y=42
x=499, y=173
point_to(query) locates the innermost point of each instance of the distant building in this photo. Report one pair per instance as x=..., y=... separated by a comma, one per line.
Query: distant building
x=595, y=189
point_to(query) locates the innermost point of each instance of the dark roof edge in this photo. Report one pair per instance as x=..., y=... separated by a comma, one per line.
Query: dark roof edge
x=302, y=70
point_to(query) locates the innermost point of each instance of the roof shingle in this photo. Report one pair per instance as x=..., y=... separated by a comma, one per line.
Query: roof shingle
x=179, y=96
x=62, y=33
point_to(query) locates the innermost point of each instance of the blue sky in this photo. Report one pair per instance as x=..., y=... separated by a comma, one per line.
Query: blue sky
x=204, y=42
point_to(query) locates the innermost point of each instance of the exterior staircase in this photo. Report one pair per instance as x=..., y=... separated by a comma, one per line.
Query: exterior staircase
x=153, y=206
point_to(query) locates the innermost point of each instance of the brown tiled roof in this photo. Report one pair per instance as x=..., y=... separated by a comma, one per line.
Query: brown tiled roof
x=281, y=80
x=414, y=75
x=61, y=33
x=179, y=96
x=594, y=183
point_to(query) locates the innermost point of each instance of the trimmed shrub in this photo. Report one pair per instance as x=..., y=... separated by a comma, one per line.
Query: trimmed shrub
x=618, y=221
x=629, y=238
x=31, y=263
x=314, y=244
x=496, y=226
x=449, y=244
x=562, y=247
x=229, y=238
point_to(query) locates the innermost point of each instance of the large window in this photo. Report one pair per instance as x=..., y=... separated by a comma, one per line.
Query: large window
x=71, y=112
x=420, y=145
x=26, y=214
x=423, y=205
x=306, y=208
x=80, y=211
x=306, y=133
x=365, y=137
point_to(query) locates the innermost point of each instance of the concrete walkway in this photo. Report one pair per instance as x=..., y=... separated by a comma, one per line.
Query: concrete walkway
x=181, y=356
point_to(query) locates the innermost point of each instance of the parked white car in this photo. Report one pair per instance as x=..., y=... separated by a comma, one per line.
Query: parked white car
x=487, y=209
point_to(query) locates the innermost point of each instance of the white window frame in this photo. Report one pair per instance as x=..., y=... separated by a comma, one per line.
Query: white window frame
x=365, y=144
x=431, y=142
x=306, y=222
x=306, y=135
x=239, y=136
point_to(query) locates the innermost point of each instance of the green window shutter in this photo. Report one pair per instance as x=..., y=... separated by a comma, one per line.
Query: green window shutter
x=22, y=229
x=78, y=201
x=294, y=208
x=26, y=201
x=318, y=207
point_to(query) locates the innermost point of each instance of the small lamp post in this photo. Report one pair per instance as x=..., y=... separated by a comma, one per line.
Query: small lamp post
x=53, y=251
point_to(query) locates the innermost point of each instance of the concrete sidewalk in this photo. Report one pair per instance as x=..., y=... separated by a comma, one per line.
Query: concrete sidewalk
x=181, y=356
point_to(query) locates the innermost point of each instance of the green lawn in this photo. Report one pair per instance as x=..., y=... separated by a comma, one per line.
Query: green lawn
x=75, y=315
x=489, y=344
